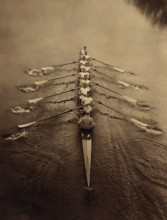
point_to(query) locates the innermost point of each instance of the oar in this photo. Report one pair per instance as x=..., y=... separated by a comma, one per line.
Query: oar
x=43, y=119
x=64, y=64
x=45, y=97
x=102, y=73
x=96, y=84
x=114, y=68
x=148, y=128
x=125, y=84
x=123, y=97
x=101, y=103
x=53, y=79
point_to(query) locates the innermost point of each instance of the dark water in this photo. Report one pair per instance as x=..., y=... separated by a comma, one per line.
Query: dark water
x=42, y=176
x=155, y=10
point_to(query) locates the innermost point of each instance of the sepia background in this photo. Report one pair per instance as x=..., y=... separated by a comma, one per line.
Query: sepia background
x=41, y=33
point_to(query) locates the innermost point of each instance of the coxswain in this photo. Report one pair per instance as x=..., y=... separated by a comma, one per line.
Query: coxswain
x=86, y=123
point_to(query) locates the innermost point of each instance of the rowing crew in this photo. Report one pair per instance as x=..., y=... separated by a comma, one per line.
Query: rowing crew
x=86, y=122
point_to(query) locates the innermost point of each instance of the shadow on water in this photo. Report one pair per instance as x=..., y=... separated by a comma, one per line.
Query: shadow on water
x=156, y=10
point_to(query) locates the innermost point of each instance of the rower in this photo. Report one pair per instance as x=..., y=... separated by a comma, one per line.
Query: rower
x=84, y=74
x=86, y=67
x=85, y=81
x=87, y=109
x=83, y=91
x=83, y=50
x=87, y=57
x=83, y=61
x=86, y=123
x=87, y=101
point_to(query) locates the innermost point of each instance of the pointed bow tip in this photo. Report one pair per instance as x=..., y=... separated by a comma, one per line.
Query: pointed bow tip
x=89, y=189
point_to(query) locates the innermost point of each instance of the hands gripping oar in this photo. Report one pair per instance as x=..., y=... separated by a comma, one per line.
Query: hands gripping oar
x=146, y=127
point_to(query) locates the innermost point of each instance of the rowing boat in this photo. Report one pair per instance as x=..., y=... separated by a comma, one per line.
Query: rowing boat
x=87, y=152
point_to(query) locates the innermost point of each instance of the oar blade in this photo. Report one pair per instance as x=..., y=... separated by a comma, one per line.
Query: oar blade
x=27, y=125
x=129, y=99
x=35, y=100
x=40, y=83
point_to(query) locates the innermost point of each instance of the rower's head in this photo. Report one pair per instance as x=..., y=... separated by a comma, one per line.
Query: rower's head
x=83, y=58
x=86, y=53
x=84, y=85
x=85, y=77
x=84, y=47
x=84, y=70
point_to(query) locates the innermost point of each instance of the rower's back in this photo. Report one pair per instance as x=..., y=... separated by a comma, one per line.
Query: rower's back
x=86, y=122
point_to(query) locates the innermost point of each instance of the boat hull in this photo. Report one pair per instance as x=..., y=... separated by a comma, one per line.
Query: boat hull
x=87, y=153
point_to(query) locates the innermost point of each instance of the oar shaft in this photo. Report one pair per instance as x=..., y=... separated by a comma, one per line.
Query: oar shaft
x=96, y=84
x=43, y=119
x=102, y=62
x=102, y=73
x=62, y=77
x=65, y=64
x=62, y=113
x=101, y=103
x=71, y=90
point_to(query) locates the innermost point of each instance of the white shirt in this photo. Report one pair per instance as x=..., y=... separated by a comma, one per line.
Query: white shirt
x=87, y=108
x=82, y=74
x=83, y=52
x=84, y=91
x=83, y=81
x=87, y=100
x=83, y=62
x=87, y=68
